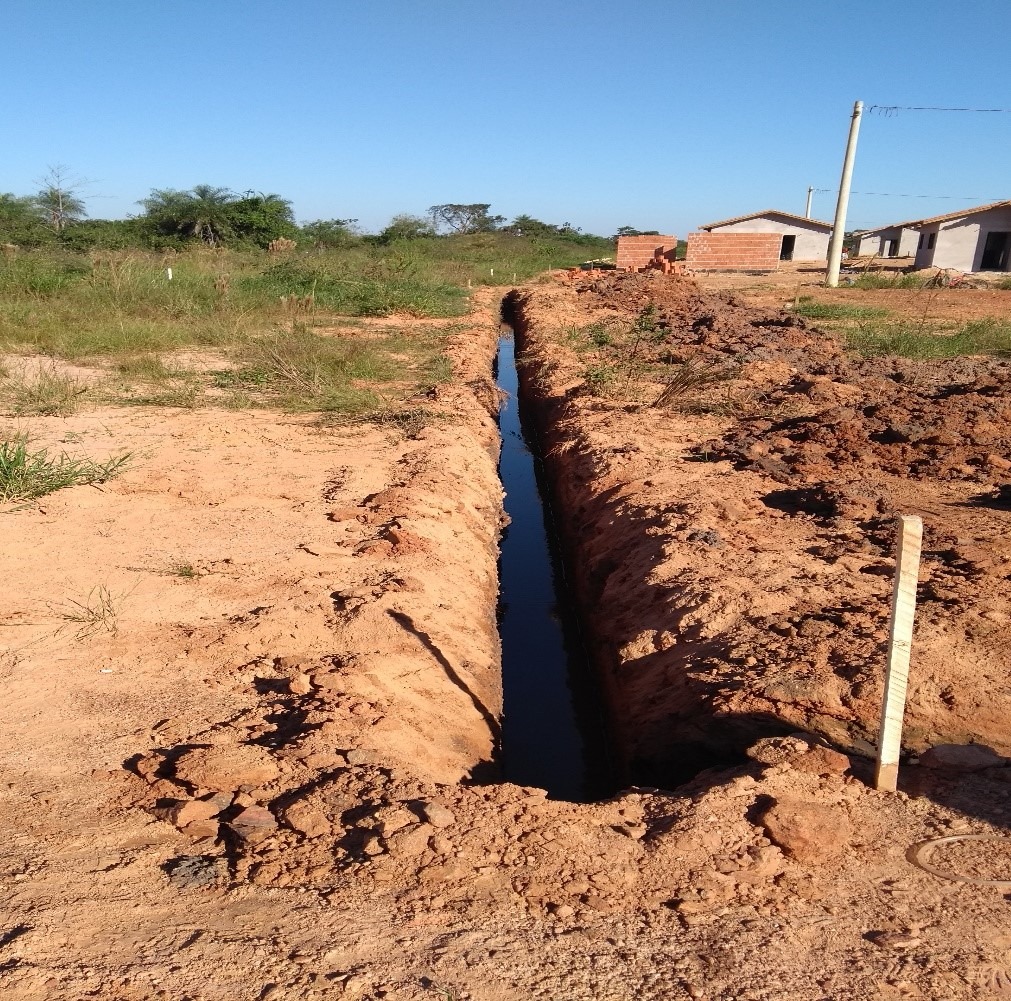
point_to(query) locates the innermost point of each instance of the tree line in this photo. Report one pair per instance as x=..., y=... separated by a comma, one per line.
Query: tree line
x=215, y=217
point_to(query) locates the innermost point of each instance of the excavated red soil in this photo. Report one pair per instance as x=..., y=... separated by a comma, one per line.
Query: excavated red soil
x=258, y=779
x=735, y=547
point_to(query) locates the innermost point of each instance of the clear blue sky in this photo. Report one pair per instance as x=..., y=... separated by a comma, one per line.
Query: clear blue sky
x=660, y=114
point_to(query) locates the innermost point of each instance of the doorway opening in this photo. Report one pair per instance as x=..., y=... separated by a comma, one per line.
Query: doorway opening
x=995, y=252
x=786, y=248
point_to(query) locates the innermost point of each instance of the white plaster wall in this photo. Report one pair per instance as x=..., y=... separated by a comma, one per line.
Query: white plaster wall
x=956, y=244
x=960, y=242
x=877, y=243
x=812, y=242
x=925, y=256
x=907, y=242
x=869, y=245
x=994, y=221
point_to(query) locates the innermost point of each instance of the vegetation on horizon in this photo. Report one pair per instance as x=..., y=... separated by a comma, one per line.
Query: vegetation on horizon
x=216, y=216
x=211, y=297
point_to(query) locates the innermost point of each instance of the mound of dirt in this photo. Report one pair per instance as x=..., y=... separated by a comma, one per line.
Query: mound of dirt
x=735, y=560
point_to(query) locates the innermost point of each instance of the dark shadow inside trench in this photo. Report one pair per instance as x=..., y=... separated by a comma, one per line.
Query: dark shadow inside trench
x=553, y=726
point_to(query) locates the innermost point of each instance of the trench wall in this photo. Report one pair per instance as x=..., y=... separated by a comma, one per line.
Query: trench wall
x=663, y=727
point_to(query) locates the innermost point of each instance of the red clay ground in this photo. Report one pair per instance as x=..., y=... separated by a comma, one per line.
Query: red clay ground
x=740, y=538
x=244, y=781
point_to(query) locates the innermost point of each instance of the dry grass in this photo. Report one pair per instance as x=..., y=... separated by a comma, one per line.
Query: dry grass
x=98, y=612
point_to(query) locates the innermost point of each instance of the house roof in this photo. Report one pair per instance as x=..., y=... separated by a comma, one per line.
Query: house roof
x=962, y=213
x=756, y=215
x=892, y=225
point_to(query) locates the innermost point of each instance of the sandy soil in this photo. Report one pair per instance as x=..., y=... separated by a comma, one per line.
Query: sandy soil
x=258, y=774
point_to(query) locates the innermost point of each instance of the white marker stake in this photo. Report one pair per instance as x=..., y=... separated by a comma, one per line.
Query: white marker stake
x=168, y=274
x=900, y=641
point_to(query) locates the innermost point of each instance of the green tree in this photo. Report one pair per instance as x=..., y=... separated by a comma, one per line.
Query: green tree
x=107, y=234
x=525, y=225
x=260, y=218
x=201, y=213
x=21, y=219
x=632, y=231
x=407, y=227
x=462, y=219
x=327, y=234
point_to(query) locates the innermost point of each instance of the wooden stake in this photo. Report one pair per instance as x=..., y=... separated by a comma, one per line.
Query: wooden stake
x=900, y=640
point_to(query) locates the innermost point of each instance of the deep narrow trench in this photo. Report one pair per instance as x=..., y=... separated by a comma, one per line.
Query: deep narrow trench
x=553, y=731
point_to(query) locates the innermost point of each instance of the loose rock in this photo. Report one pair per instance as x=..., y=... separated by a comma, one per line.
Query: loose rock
x=961, y=757
x=807, y=832
x=226, y=767
x=253, y=823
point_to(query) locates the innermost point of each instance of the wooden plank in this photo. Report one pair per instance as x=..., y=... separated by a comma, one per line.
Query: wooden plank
x=900, y=640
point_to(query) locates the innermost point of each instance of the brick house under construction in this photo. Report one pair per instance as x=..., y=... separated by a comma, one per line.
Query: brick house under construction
x=802, y=239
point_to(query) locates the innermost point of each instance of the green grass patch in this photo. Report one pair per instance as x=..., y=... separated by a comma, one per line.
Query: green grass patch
x=878, y=279
x=25, y=475
x=907, y=340
x=601, y=378
x=302, y=370
x=837, y=311
x=121, y=311
x=118, y=304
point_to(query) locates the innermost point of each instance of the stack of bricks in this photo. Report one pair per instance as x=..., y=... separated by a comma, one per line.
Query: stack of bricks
x=636, y=252
x=665, y=264
x=733, y=251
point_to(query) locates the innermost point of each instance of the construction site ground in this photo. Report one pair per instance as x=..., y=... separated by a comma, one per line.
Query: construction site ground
x=252, y=686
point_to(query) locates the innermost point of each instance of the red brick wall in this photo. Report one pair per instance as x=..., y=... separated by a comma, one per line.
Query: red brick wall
x=733, y=251
x=636, y=252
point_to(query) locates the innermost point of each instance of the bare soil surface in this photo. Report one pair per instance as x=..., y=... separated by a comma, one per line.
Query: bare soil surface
x=741, y=537
x=252, y=699
x=781, y=288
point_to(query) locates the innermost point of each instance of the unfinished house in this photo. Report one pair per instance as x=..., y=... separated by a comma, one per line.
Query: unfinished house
x=635, y=253
x=801, y=239
x=897, y=240
x=754, y=252
x=969, y=240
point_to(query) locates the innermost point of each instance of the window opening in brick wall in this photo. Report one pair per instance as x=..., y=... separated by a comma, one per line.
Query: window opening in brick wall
x=931, y=240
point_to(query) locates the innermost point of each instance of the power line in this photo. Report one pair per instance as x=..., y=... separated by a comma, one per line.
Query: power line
x=892, y=110
x=893, y=194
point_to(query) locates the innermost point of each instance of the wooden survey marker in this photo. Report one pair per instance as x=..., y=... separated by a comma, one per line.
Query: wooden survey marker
x=900, y=641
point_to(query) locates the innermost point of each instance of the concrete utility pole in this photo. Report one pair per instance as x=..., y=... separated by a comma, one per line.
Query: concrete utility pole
x=839, y=227
x=807, y=210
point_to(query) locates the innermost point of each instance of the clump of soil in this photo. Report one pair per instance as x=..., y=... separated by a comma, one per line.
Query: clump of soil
x=743, y=552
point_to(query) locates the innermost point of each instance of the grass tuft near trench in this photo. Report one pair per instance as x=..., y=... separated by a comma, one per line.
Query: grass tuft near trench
x=915, y=340
x=26, y=474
